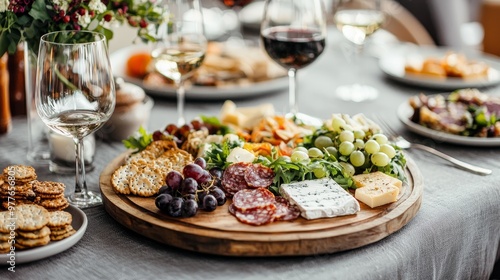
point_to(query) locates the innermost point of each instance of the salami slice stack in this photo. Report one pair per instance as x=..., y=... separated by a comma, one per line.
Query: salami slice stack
x=243, y=175
x=253, y=203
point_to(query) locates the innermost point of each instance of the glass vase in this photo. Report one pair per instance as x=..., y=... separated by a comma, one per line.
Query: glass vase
x=38, y=144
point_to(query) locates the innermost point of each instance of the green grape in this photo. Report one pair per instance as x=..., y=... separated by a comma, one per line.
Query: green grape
x=338, y=124
x=346, y=136
x=285, y=159
x=323, y=142
x=299, y=156
x=348, y=168
x=380, y=159
x=359, y=144
x=371, y=146
x=332, y=151
x=388, y=150
x=357, y=158
x=359, y=134
x=380, y=138
x=302, y=149
x=315, y=153
x=319, y=171
x=346, y=148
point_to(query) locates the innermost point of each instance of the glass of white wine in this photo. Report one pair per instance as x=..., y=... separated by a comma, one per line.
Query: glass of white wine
x=357, y=20
x=181, y=47
x=75, y=94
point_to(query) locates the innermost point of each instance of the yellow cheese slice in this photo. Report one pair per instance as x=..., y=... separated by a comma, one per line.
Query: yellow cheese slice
x=375, y=196
x=376, y=179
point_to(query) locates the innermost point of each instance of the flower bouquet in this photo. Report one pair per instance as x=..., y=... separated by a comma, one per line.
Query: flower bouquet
x=28, y=20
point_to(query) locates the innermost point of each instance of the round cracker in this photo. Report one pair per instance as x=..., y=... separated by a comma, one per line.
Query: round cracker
x=59, y=218
x=35, y=234
x=62, y=236
x=121, y=177
x=48, y=187
x=53, y=203
x=22, y=173
x=147, y=182
x=30, y=243
x=31, y=217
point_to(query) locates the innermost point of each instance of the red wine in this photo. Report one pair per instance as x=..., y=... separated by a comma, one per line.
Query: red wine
x=293, y=48
x=236, y=3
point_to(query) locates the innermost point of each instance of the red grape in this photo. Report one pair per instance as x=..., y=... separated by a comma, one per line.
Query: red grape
x=171, y=129
x=162, y=201
x=189, y=208
x=204, y=178
x=201, y=162
x=209, y=203
x=219, y=195
x=189, y=186
x=192, y=170
x=174, y=208
x=174, y=179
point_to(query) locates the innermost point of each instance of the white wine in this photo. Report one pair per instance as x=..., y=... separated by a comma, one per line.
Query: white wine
x=178, y=63
x=77, y=123
x=356, y=25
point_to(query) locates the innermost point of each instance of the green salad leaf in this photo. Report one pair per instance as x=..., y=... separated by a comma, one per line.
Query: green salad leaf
x=138, y=143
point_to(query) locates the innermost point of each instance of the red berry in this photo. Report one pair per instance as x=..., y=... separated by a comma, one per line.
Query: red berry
x=81, y=11
x=108, y=17
x=143, y=23
x=91, y=13
x=66, y=19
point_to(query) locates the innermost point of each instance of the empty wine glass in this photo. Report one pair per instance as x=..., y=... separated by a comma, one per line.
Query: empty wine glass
x=75, y=94
x=357, y=20
x=293, y=33
x=181, y=47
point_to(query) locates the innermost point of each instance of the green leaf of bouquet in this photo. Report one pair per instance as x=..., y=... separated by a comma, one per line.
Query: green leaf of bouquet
x=39, y=11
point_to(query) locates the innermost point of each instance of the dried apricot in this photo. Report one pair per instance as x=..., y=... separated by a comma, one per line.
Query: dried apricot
x=138, y=64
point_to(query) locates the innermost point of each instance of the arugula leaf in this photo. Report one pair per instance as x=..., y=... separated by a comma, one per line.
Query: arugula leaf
x=139, y=143
x=215, y=122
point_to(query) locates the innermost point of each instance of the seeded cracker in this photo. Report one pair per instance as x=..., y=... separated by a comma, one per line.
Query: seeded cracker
x=31, y=217
x=36, y=234
x=62, y=230
x=54, y=203
x=30, y=243
x=121, y=177
x=48, y=188
x=62, y=236
x=147, y=182
x=140, y=158
x=59, y=218
x=22, y=173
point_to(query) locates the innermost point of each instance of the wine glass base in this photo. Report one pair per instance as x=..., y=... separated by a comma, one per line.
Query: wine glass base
x=87, y=200
x=356, y=93
x=301, y=118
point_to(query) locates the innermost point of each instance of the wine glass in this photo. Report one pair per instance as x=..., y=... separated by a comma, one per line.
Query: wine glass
x=75, y=94
x=293, y=33
x=236, y=6
x=357, y=20
x=181, y=47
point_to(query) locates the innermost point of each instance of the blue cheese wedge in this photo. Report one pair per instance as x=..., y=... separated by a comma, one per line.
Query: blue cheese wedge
x=321, y=198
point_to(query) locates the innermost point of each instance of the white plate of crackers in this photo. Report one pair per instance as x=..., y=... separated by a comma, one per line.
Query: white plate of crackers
x=79, y=224
x=440, y=68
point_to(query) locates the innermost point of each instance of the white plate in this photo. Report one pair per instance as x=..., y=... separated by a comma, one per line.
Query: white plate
x=405, y=111
x=54, y=247
x=119, y=61
x=393, y=64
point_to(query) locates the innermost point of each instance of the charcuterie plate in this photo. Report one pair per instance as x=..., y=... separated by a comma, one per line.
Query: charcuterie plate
x=220, y=233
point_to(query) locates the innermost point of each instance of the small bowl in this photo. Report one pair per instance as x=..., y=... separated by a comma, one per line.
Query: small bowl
x=125, y=122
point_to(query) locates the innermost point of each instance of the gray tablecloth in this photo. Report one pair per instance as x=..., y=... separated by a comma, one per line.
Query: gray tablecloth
x=455, y=235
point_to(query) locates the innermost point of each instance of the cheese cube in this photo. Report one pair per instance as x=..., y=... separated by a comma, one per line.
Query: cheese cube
x=375, y=196
x=376, y=179
x=320, y=198
x=240, y=155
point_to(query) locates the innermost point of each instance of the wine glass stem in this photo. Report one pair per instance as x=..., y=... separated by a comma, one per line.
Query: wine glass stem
x=292, y=91
x=80, y=184
x=181, y=92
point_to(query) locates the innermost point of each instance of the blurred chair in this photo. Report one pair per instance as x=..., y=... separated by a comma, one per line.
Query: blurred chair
x=490, y=19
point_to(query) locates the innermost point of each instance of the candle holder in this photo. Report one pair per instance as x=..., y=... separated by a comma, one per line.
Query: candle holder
x=62, y=153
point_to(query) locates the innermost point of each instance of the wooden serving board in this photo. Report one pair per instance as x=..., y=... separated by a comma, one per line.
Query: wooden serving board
x=220, y=233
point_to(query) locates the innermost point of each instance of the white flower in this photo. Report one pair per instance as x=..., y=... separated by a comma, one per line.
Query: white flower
x=62, y=4
x=84, y=20
x=97, y=5
x=4, y=4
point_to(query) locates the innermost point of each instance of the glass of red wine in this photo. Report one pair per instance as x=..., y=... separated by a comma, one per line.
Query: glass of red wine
x=293, y=33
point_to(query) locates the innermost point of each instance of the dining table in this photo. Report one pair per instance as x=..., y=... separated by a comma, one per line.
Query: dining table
x=454, y=235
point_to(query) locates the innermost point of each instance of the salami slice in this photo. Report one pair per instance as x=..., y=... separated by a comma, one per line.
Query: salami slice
x=258, y=216
x=285, y=211
x=232, y=210
x=259, y=176
x=233, y=178
x=249, y=199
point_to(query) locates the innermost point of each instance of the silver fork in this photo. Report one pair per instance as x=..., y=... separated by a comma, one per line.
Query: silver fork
x=405, y=144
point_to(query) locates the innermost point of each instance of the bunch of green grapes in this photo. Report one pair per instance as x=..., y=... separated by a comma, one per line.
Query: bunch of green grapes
x=356, y=150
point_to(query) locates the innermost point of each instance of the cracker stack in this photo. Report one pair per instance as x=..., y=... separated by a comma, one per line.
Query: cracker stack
x=4, y=232
x=144, y=173
x=51, y=195
x=32, y=230
x=16, y=183
x=60, y=225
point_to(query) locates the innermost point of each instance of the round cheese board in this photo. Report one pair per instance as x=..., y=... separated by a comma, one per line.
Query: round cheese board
x=220, y=233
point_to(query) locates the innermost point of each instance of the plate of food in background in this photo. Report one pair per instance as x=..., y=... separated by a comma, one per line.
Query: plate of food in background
x=441, y=68
x=226, y=72
x=465, y=117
